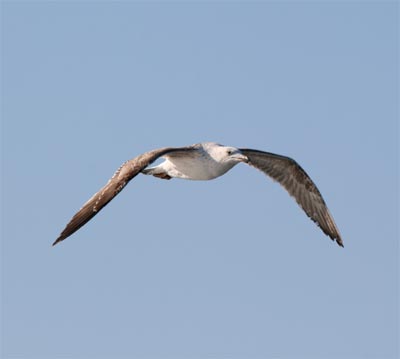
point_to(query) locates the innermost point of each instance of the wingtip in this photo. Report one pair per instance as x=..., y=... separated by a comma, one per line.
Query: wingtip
x=336, y=239
x=59, y=239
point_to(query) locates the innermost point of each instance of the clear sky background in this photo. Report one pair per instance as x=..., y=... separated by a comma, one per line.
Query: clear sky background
x=230, y=268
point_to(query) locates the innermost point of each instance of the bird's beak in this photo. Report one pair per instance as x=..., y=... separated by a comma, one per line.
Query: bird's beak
x=241, y=157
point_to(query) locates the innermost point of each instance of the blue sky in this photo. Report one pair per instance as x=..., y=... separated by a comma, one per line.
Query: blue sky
x=230, y=268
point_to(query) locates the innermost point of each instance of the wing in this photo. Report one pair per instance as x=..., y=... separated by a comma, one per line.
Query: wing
x=118, y=181
x=295, y=180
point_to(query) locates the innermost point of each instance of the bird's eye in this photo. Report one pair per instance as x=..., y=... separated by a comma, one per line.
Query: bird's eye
x=229, y=152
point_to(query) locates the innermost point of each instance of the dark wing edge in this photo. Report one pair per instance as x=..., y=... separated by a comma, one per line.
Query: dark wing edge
x=118, y=181
x=299, y=185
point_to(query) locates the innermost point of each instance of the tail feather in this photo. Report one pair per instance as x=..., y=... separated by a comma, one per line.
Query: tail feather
x=157, y=172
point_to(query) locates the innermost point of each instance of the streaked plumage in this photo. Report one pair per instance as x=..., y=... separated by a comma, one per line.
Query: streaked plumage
x=206, y=161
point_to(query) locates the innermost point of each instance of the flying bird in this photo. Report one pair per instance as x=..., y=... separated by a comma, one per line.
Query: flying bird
x=206, y=161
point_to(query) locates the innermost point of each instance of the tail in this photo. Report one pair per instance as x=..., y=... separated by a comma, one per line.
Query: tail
x=157, y=171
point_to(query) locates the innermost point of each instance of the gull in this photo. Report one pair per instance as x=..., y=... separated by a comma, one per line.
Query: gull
x=206, y=161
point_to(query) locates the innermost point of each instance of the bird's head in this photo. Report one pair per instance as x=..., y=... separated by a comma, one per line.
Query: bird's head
x=226, y=155
x=233, y=155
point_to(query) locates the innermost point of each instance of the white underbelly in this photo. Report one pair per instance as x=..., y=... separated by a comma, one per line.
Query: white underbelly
x=195, y=169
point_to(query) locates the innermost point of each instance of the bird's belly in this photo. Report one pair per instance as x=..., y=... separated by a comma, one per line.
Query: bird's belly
x=195, y=170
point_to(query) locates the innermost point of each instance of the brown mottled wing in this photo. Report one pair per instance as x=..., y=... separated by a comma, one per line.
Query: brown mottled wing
x=295, y=180
x=119, y=180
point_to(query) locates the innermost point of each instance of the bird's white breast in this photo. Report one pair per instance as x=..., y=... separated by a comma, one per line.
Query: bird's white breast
x=200, y=168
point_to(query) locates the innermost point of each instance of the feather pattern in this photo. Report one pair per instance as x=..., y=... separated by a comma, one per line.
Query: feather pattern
x=299, y=185
x=118, y=181
x=206, y=161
